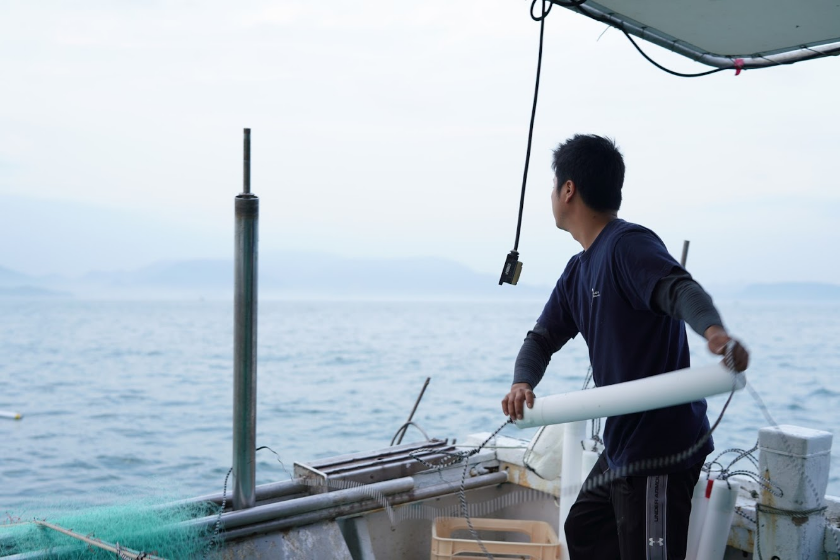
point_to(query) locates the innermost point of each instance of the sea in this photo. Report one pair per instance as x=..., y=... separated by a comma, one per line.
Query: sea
x=137, y=396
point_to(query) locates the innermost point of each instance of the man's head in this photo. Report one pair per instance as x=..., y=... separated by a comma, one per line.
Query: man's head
x=595, y=167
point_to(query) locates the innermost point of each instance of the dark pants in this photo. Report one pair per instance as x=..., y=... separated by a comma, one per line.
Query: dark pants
x=632, y=518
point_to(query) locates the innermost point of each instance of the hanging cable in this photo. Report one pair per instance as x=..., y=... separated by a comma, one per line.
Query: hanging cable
x=591, y=15
x=672, y=72
x=512, y=267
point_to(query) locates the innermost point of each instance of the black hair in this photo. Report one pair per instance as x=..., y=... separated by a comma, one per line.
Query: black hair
x=596, y=167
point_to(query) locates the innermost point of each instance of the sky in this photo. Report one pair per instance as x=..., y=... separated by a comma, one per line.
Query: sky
x=391, y=129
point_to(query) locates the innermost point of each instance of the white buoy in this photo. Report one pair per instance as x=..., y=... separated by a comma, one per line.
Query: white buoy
x=588, y=460
x=719, y=515
x=658, y=391
x=699, y=506
x=10, y=415
x=544, y=454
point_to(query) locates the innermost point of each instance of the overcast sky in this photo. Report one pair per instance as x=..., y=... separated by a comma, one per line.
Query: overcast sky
x=385, y=129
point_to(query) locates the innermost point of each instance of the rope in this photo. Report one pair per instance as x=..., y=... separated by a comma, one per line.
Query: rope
x=214, y=540
x=770, y=510
x=404, y=428
x=656, y=462
x=763, y=508
x=468, y=510
x=277, y=455
x=463, y=456
x=740, y=511
x=725, y=473
x=810, y=483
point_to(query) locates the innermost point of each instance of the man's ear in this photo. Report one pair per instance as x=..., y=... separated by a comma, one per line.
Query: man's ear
x=568, y=191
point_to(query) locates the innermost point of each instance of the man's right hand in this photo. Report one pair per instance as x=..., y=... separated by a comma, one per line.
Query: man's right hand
x=512, y=404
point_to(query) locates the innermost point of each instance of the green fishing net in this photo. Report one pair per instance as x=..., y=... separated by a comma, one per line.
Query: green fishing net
x=154, y=525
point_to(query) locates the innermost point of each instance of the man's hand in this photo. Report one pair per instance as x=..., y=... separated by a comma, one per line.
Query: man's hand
x=512, y=403
x=736, y=357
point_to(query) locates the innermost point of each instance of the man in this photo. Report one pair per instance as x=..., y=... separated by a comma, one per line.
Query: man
x=629, y=299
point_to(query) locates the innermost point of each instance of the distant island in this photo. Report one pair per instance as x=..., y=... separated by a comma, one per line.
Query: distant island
x=281, y=275
x=32, y=292
x=318, y=276
x=815, y=291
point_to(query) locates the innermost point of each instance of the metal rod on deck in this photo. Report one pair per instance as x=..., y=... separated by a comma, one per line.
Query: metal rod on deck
x=114, y=548
x=246, y=163
x=266, y=512
x=684, y=257
x=245, y=340
x=413, y=410
x=281, y=522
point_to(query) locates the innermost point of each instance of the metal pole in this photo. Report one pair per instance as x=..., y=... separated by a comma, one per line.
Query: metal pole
x=246, y=163
x=684, y=257
x=280, y=523
x=245, y=341
x=413, y=410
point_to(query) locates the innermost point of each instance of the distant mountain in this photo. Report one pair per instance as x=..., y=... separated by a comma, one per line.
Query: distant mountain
x=792, y=291
x=31, y=292
x=315, y=275
x=14, y=284
x=168, y=275
x=9, y=278
x=74, y=236
x=289, y=274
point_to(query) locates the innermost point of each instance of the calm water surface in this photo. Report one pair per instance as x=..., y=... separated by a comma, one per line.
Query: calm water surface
x=136, y=394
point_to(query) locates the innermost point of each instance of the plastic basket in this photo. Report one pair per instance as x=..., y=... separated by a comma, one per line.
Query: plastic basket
x=543, y=543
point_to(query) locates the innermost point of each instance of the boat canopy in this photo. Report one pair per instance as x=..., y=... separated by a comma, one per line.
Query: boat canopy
x=727, y=33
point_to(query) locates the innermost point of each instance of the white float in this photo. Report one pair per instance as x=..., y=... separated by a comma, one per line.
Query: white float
x=658, y=391
x=719, y=515
x=699, y=506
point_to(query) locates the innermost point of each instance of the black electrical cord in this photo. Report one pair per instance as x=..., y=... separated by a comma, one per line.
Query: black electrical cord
x=672, y=72
x=510, y=272
x=540, y=19
x=591, y=15
x=512, y=267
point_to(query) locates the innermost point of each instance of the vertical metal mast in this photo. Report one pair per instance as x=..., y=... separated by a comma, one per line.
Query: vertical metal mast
x=245, y=340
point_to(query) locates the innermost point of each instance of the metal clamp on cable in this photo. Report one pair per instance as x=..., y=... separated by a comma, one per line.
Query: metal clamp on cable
x=512, y=269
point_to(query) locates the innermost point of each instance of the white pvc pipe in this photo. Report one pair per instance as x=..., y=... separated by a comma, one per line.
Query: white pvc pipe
x=719, y=517
x=658, y=391
x=570, y=475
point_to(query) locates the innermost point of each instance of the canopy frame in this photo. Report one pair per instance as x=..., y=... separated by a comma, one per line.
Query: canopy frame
x=754, y=61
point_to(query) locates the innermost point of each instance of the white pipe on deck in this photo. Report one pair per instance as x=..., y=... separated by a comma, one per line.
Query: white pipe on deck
x=699, y=506
x=719, y=513
x=570, y=475
x=658, y=391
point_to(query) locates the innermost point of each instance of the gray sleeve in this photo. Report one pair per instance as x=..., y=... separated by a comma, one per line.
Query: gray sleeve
x=536, y=352
x=678, y=295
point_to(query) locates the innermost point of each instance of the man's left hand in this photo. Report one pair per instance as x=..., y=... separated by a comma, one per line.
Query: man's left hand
x=736, y=357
